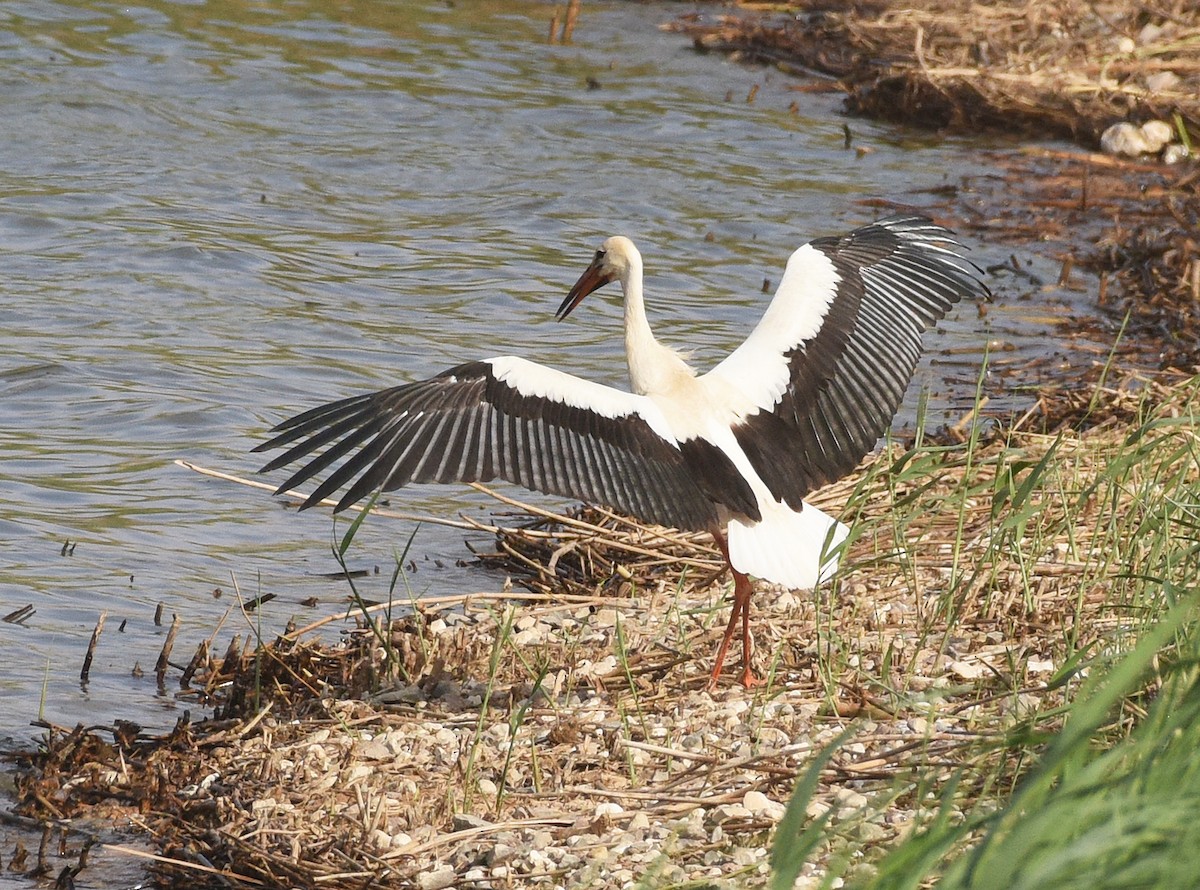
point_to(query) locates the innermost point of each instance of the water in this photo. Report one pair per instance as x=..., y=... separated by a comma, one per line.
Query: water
x=213, y=215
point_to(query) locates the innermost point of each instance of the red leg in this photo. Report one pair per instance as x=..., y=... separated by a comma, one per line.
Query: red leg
x=748, y=678
x=724, y=647
x=741, y=609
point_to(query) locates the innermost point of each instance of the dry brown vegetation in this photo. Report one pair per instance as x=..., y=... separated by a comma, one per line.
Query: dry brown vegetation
x=1059, y=68
x=562, y=735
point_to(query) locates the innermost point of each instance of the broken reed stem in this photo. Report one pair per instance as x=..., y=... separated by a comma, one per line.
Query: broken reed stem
x=160, y=667
x=91, y=649
x=198, y=659
x=180, y=863
x=298, y=497
x=16, y=616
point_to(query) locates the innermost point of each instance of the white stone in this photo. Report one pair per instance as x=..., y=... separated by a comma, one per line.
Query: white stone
x=1162, y=81
x=1123, y=139
x=1039, y=666
x=1174, y=153
x=1157, y=134
x=376, y=749
x=756, y=801
x=762, y=806
x=438, y=879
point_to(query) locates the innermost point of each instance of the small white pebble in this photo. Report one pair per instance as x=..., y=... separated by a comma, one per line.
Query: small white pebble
x=747, y=855
x=728, y=811
x=760, y=805
x=816, y=809
x=1157, y=134
x=438, y=879
x=1174, y=153
x=1124, y=138
x=755, y=801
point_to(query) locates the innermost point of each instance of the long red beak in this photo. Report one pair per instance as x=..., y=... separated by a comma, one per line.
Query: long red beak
x=592, y=279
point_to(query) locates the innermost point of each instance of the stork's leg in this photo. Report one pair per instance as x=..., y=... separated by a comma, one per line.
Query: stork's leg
x=724, y=647
x=741, y=609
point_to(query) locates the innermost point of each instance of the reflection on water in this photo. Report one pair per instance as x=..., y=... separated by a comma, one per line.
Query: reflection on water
x=215, y=214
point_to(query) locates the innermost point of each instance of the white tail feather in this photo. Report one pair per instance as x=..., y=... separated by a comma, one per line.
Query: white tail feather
x=786, y=546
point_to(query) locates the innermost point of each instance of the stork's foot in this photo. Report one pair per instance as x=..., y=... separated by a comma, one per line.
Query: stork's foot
x=749, y=680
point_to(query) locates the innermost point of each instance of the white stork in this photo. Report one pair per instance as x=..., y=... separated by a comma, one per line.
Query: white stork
x=733, y=451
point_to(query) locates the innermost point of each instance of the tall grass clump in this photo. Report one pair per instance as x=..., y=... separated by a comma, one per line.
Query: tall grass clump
x=1082, y=549
x=1091, y=813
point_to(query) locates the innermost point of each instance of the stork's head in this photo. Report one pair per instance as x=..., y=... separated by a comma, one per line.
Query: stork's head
x=614, y=261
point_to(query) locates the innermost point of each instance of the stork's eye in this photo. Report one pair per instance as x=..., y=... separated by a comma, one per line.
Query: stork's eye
x=599, y=256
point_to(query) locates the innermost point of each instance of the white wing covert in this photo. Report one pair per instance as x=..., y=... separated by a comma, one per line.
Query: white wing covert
x=828, y=364
x=502, y=418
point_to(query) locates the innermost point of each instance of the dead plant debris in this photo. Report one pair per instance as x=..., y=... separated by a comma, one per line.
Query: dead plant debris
x=1065, y=68
x=567, y=739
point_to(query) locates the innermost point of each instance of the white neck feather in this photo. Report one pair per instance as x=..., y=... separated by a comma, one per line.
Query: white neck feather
x=653, y=367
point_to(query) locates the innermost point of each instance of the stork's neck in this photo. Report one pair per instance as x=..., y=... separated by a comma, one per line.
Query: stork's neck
x=653, y=367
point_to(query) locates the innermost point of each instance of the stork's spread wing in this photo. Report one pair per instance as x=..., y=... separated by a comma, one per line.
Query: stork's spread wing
x=829, y=363
x=503, y=418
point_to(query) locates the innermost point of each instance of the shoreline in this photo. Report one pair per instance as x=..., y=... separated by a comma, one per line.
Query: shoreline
x=568, y=740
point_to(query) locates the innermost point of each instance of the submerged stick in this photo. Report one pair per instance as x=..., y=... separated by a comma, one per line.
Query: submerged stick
x=160, y=667
x=198, y=659
x=43, y=866
x=91, y=649
x=18, y=616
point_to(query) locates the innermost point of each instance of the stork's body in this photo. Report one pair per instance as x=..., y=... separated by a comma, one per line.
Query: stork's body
x=733, y=451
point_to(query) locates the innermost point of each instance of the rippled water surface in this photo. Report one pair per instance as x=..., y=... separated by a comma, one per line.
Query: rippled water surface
x=214, y=214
